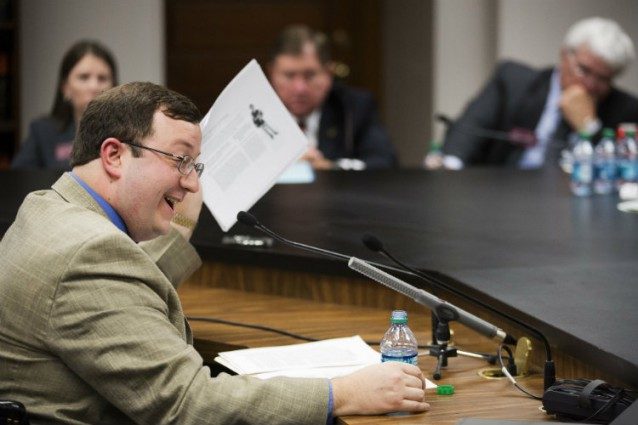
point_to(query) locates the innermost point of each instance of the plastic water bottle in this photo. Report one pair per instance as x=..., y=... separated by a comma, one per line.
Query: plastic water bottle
x=605, y=163
x=398, y=343
x=583, y=169
x=627, y=155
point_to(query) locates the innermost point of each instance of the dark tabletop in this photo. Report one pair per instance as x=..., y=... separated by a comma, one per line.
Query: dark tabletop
x=517, y=239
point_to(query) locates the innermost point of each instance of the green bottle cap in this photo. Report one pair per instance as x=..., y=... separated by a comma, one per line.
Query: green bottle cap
x=609, y=132
x=445, y=389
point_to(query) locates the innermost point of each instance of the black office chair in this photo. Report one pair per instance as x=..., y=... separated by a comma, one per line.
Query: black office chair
x=13, y=413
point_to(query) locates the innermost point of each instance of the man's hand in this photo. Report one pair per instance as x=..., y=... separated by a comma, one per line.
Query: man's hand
x=381, y=388
x=578, y=107
x=317, y=160
x=187, y=213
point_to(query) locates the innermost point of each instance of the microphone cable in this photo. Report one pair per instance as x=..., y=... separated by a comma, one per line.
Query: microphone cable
x=507, y=373
x=271, y=329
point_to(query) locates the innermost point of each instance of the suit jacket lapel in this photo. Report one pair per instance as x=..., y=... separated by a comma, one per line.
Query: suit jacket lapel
x=529, y=110
x=532, y=104
x=333, y=132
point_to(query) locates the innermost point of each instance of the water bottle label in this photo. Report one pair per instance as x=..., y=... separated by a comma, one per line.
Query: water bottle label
x=582, y=172
x=605, y=171
x=411, y=359
x=627, y=170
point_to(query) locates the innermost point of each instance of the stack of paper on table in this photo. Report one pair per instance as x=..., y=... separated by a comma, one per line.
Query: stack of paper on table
x=322, y=359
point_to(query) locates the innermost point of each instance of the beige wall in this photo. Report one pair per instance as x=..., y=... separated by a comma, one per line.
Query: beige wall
x=132, y=29
x=464, y=40
x=532, y=31
x=438, y=53
x=407, y=53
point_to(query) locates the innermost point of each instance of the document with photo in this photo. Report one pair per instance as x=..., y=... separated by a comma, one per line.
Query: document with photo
x=248, y=139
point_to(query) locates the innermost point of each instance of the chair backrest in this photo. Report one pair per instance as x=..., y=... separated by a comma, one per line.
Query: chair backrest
x=13, y=413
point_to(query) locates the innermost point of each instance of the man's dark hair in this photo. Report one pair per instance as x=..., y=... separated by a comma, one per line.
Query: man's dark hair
x=126, y=113
x=294, y=38
x=62, y=109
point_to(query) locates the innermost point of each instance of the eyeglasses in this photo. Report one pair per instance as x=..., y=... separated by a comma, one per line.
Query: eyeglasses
x=185, y=165
x=583, y=71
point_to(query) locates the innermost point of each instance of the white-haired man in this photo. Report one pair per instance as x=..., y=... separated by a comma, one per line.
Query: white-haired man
x=536, y=110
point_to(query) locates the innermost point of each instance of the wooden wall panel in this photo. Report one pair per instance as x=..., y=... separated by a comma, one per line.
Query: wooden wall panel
x=208, y=42
x=365, y=293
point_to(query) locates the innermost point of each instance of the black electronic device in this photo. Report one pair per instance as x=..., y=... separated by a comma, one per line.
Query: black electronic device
x=628, y=417
x=592, y=401
x=13, y=413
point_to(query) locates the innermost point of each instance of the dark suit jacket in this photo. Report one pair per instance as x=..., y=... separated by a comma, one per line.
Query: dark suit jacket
x=514, y=98
x=350, y=128
x=46, y=146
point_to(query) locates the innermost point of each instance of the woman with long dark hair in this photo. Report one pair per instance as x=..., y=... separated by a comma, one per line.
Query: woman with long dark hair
x=87, y=69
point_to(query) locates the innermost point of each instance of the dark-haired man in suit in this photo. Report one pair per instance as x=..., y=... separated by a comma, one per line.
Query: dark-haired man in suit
x=341, y=123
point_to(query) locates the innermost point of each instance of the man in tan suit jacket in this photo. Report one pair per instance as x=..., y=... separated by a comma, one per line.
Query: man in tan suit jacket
x=91, y=327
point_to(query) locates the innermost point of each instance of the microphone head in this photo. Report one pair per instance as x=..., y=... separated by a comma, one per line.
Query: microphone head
x=444, y=119
x=372, y=243
x=247, y=219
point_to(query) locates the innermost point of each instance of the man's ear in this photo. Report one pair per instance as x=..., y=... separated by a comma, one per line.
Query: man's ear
x=111, y=153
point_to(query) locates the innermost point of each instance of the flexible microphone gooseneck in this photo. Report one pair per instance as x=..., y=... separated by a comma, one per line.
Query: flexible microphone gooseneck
x=486, y=328
x=519, y=139
x=251, y=221
x=374, y=244
x=443, y=309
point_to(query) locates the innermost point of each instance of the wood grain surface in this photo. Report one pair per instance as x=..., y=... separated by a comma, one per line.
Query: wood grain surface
x=474, y=395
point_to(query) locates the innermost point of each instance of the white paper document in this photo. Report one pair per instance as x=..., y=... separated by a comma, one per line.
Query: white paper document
x=248, y=139
x=322, y=359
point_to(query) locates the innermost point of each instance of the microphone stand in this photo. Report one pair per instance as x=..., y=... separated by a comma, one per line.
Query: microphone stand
x=549, y=370
x=445, y=312
x=441, y=339
x=440, y=328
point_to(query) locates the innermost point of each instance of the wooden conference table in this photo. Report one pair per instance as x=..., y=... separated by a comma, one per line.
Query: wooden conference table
x=474, y=396
x=516, y=240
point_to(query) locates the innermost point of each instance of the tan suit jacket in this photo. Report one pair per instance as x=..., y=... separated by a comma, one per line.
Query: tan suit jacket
x=92, y=330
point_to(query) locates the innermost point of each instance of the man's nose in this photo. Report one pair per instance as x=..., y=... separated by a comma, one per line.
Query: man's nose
x=299, y=84
x=190, y=182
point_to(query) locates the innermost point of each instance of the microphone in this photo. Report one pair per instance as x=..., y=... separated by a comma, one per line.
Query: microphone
x=516, y=136
x=250, y=220
x=443, y=309
x=374, y=244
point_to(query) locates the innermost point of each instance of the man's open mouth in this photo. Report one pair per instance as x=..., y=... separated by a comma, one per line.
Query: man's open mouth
x=171, y=201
